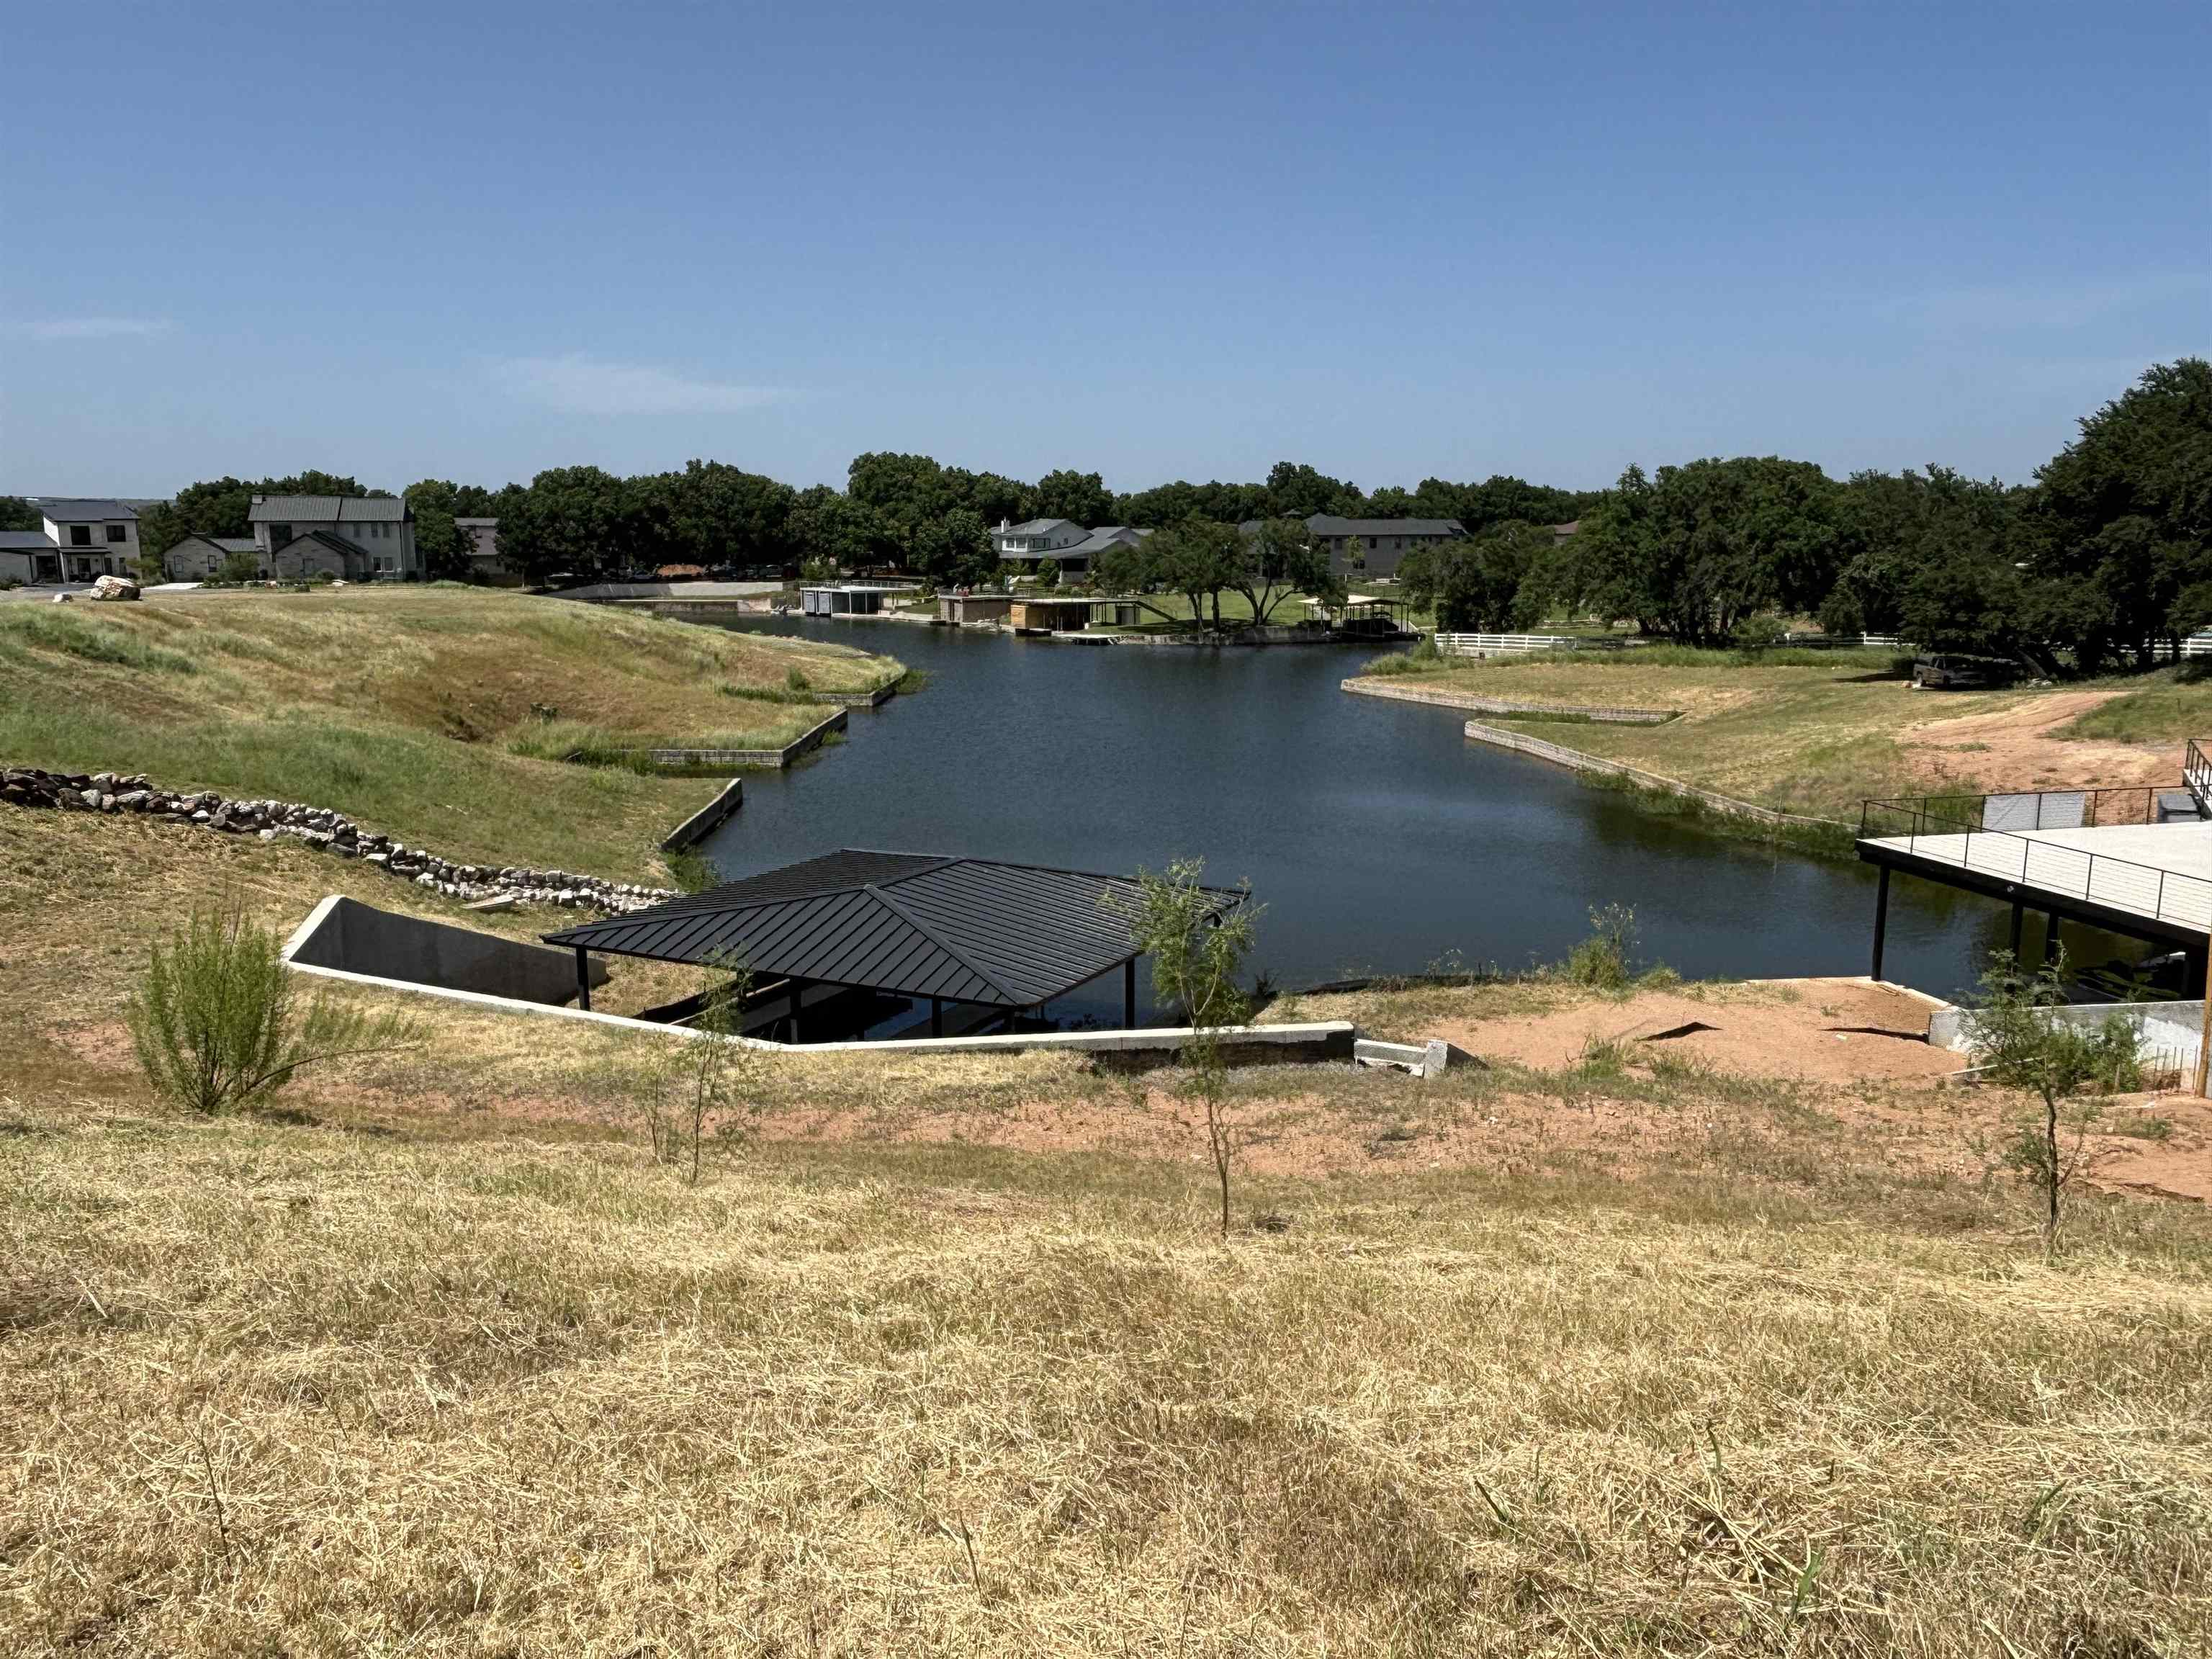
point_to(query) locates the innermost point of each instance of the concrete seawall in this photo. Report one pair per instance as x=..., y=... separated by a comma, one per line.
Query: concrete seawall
x=1580, y=761
x=1441, y=697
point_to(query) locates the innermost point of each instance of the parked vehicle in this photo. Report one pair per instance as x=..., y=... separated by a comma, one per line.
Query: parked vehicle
x=1948, y=672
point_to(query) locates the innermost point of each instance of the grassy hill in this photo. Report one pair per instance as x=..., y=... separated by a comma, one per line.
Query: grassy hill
x=434, y=714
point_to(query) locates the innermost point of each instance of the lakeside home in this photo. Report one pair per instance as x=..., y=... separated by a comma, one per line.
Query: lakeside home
x=1372, y=548
x=201, y=558
x=354, y=538
x=80, y=539
x=1061, y=542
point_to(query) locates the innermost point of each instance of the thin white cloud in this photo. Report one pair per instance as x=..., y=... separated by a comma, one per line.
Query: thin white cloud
x=96, y=328
x=577, y=385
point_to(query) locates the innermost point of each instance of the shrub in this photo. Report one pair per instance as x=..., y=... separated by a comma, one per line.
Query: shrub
x=1601, y=961
x=794, y=679
x=1422, y=659
x=214, y=1025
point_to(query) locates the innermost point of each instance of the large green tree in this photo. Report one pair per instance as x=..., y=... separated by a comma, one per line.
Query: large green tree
x=1196, y=558
x=579, y=520
x=1298, y=491
x=1935, y=547
x=719, y=514
x=1276, y=559
x=829, y=526
x=16, y=514
x=2122, y=520
x=1493, y=583
x=1691, y=551
x=1080, y=496
x=444, y=546
x=1171, y=503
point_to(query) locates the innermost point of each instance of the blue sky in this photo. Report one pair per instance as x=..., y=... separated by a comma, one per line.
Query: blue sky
x=476, y=240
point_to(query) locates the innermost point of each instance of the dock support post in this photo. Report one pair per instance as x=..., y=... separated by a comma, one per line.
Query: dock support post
x=794, y=1010
x=1881, y=918
x=583, y=979
x=1129, y=993
x=937, y=1015
x=2019, y=911
x=2050, y=938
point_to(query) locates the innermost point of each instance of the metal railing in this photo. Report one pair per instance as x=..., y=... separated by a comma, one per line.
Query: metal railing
x=1944, y=829
x=2196, y=774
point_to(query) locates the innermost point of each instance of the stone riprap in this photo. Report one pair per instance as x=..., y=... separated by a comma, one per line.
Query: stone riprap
x=319, y=827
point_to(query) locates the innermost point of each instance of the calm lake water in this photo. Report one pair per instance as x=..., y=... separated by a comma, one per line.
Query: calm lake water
x=1377, y=837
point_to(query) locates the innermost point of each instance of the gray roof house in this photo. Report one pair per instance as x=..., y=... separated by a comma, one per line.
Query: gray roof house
x=1374, y=547
x=29, y=556
x=356, y=538
x=82, y=538
x=1061, y=542
x=201, y=558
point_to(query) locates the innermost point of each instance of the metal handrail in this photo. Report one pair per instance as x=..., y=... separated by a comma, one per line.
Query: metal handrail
x=2095, y=799
x=1923, y=816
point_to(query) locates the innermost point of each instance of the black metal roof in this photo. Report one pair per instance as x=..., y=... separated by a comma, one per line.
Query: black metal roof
x=913, y=924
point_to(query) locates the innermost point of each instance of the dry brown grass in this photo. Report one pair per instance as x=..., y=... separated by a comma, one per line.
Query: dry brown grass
x=307, y=1390
x=435, y=1361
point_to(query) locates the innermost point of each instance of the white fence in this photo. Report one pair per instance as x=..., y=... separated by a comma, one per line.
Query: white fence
x=1494, y=645
x=1845, y=641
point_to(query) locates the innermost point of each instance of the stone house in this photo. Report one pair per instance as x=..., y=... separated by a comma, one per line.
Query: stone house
x=201, y=558
x=355, y=537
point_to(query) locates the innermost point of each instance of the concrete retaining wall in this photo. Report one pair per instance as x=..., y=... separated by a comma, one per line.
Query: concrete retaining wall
x=707, y=819
x=1560, y=755
x=724, y=760
x=1441, y=697
x=2170, y=1032
x=414, y=956
x=359, y=939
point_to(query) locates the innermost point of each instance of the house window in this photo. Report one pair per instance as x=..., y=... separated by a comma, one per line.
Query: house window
x=115, y=532
x=80, y=535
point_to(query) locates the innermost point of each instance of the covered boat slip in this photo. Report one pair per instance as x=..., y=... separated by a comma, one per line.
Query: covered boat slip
x=2137, y=862
x=834, y=945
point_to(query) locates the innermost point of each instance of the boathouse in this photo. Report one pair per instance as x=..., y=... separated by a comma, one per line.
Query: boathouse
x=838, y=945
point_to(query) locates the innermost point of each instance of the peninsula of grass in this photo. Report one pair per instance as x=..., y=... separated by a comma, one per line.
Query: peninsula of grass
x=1814, y=733
x=437, y=715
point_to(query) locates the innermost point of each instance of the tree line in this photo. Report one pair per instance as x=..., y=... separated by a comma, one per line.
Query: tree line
x=2106, y=555
x=905, y=513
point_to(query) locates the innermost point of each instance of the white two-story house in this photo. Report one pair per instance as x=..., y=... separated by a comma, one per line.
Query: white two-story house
x=356, y=538
x=1061, y=542
x=78, y=540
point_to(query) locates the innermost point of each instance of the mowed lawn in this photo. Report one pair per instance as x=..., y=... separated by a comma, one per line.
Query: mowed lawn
x=943, y=1356
x=1816, y=732
x=434, y=714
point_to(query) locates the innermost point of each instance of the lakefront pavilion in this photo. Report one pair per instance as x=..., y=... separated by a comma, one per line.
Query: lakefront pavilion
x=990, y=939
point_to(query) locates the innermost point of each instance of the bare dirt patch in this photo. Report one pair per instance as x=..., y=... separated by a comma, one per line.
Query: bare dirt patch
x=1832, y=1030
x=2017, y=747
